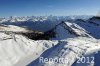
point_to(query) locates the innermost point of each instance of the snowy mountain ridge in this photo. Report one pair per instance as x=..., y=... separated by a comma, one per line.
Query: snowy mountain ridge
x=42, y=18
x=73, y=39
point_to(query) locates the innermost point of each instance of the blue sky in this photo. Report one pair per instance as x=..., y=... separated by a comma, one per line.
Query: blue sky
x=47, y=7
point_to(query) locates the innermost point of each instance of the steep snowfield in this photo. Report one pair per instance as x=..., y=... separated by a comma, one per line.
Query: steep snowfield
x=70, y=49
x=20, y=51
x=16, y=48
x=92, y=26
x=68, y=30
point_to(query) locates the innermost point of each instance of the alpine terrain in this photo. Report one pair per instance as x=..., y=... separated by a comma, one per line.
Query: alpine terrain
x=50, y=41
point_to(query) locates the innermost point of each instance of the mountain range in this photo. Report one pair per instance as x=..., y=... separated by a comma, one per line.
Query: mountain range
x=24, y=40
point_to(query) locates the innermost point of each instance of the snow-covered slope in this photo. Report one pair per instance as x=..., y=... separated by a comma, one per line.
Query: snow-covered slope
x=92, y=26
x=74, y=43
x=15, y=48
x=74, y=39
x=66, y=30
x=70, y=49
x=12, y=28
x=20, y=51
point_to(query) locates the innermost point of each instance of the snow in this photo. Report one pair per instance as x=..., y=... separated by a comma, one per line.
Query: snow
x=39, y=22
x=70, y=49
x=73, y=39
x=19, y=47
x=12, y=28
x=94, y=30
x=69, y=30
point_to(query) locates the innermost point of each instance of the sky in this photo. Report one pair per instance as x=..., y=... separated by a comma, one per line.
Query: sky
x=48, y=7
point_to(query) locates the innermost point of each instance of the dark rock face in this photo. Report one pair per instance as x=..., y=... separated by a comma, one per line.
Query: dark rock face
x=40, y=36
x=95, y=17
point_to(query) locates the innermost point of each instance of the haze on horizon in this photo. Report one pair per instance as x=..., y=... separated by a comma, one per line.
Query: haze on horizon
x=48, y=7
